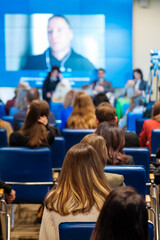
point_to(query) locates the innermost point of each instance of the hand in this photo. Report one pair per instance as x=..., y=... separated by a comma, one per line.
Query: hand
x=43, y=120
x=60, y=76
x=130, y=83
x=99, y=88
x=49, y=95
x=10, y=197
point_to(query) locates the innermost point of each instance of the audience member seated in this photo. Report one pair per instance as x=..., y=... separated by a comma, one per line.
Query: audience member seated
x=61, y=90
x=115, y=141
x=49, y=85
x=101, y=85
x=35, y=132
x=83, y=114
x=67, y=107
x=9, y=192
x=99, y=144
x=24, y=102
x=106, y=112
x=149, y=125
x=99, y=98
x=135, y=89
x=7, y=126
x=123, y=216
x=11, y=103
x=80, y=193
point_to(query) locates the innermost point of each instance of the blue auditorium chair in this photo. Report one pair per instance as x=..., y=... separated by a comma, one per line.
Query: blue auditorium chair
x=131, y=120
x=3, y=138
x=155, y=143
x=2, y=109
x=76, y=230
x=83, y=230
x=28, y=170
x=134, y=176
x=139, y=125
x=56, y=108
x=58, y=152
x=13, y=110
x=141, y=156
x=74, y=136
x=8, y=119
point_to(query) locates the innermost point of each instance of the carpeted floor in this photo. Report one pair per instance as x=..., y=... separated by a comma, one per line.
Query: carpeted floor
x=25, y=228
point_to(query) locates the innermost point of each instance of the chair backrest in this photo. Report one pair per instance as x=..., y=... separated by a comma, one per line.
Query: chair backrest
x=58, y=152
x=8, y=119
x=74, y=136
x=141, y=156
x=131, y=120
x=2, y=109
x=76, y=230
x=56, y=108
x=13, y=110
x=83, y=230
x=19, y=164
x=155, y=140
x=139, y=125
x=134, y=176
x=3, y=138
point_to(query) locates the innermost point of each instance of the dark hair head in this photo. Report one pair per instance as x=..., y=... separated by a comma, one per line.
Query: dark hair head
x=138, y=71
x=105, y=112
x=123, y=217
x=52, y=70
x=32, y=94
x=99, y=98
x=115, y=141
x=37, y=108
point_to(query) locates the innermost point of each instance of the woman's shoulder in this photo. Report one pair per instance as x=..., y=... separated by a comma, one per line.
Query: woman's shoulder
x=115, y=180
x=17, y=139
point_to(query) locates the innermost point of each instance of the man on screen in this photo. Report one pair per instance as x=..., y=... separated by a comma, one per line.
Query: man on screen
x=59, y=52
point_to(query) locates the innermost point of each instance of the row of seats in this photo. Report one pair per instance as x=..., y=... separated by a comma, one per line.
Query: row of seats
x=83, y=230
x=71, y=137
x=30, y=173
x=19, y=164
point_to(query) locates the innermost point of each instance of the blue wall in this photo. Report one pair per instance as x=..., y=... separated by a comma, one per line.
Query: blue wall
x=118, y=33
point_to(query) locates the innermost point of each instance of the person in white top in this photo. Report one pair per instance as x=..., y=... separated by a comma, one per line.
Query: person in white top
x=81, y=191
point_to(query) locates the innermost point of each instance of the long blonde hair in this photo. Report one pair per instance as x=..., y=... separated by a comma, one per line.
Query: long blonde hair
x=83, y=114
x=82, y=183
x=99, y=144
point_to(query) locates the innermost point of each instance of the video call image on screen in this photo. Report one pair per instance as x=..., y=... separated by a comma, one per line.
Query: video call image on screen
x=39, y=41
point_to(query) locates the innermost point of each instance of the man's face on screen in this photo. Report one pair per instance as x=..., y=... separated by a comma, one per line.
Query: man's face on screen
x=59, y=35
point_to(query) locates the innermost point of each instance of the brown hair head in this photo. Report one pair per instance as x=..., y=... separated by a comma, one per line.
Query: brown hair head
x=156, y=111
x=82, y=183
x=99, y=144
x=32, y=94
x=34, y=131
x=123, y=217
x=105, y=112
x=69, y=98
x=115, y=141
x=83, y=114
